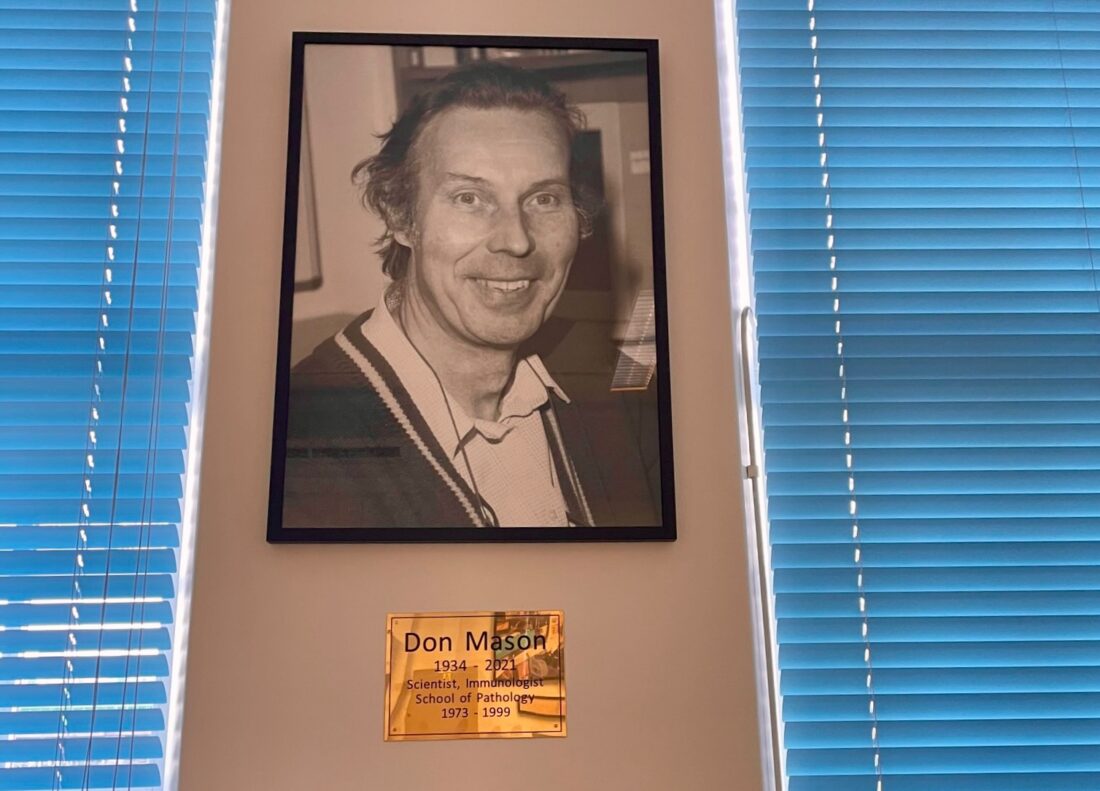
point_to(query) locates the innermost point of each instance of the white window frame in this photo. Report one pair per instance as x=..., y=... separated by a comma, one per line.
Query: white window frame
x=747, y=392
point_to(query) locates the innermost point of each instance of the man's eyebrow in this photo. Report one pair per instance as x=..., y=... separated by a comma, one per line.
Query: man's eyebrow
x=477, y=180
x=466, y=178
x=544, y=183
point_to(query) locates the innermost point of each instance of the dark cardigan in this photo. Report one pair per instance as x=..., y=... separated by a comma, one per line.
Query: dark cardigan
x=360, y=454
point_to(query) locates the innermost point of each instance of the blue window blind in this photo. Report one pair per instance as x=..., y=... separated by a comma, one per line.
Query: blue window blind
x=105, y=108
x=924, y=194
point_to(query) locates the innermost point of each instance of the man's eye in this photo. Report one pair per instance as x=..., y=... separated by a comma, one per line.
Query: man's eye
x=467, y=199
x=546, y=200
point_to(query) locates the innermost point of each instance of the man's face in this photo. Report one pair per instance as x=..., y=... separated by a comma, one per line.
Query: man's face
x=495, y=229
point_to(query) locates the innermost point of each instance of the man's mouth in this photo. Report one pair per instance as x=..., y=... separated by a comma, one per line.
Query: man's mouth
x=503, y=286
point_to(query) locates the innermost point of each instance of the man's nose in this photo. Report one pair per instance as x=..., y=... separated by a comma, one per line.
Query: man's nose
x=510, y=233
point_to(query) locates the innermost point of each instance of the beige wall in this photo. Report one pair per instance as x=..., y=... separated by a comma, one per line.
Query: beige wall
x=285, y=667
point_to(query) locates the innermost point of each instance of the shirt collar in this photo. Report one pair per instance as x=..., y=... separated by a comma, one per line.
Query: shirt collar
x=527, y=393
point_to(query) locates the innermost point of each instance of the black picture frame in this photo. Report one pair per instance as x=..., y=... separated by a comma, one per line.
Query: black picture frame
x=638, y=57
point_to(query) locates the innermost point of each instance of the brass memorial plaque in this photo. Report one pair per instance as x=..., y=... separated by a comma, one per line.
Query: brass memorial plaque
x=475, y=675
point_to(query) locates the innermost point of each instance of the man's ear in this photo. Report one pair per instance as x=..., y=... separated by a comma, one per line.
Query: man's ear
x=402, y=238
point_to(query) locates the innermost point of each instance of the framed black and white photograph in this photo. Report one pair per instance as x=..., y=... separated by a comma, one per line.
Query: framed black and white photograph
x=472, y=331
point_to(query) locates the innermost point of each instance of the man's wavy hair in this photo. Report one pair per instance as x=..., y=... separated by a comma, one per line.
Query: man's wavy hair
x=388, y=179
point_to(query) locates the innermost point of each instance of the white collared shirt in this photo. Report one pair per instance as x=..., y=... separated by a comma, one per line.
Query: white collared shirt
x=509, y=458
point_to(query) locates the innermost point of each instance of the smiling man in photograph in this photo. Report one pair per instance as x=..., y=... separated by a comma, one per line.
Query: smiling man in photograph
x=428, y=410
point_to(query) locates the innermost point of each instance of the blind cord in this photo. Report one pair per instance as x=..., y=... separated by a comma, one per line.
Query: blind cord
x=834, y=285
x=153, y=445
x=126, y=365
x=1075, y=152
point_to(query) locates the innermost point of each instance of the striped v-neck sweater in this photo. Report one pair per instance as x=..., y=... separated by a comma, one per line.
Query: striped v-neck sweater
x=360, y=454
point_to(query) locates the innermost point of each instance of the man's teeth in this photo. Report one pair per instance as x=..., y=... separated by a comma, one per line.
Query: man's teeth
x=504, y=285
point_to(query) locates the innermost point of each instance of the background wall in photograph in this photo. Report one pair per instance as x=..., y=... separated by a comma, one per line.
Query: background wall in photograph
x=350, y=97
